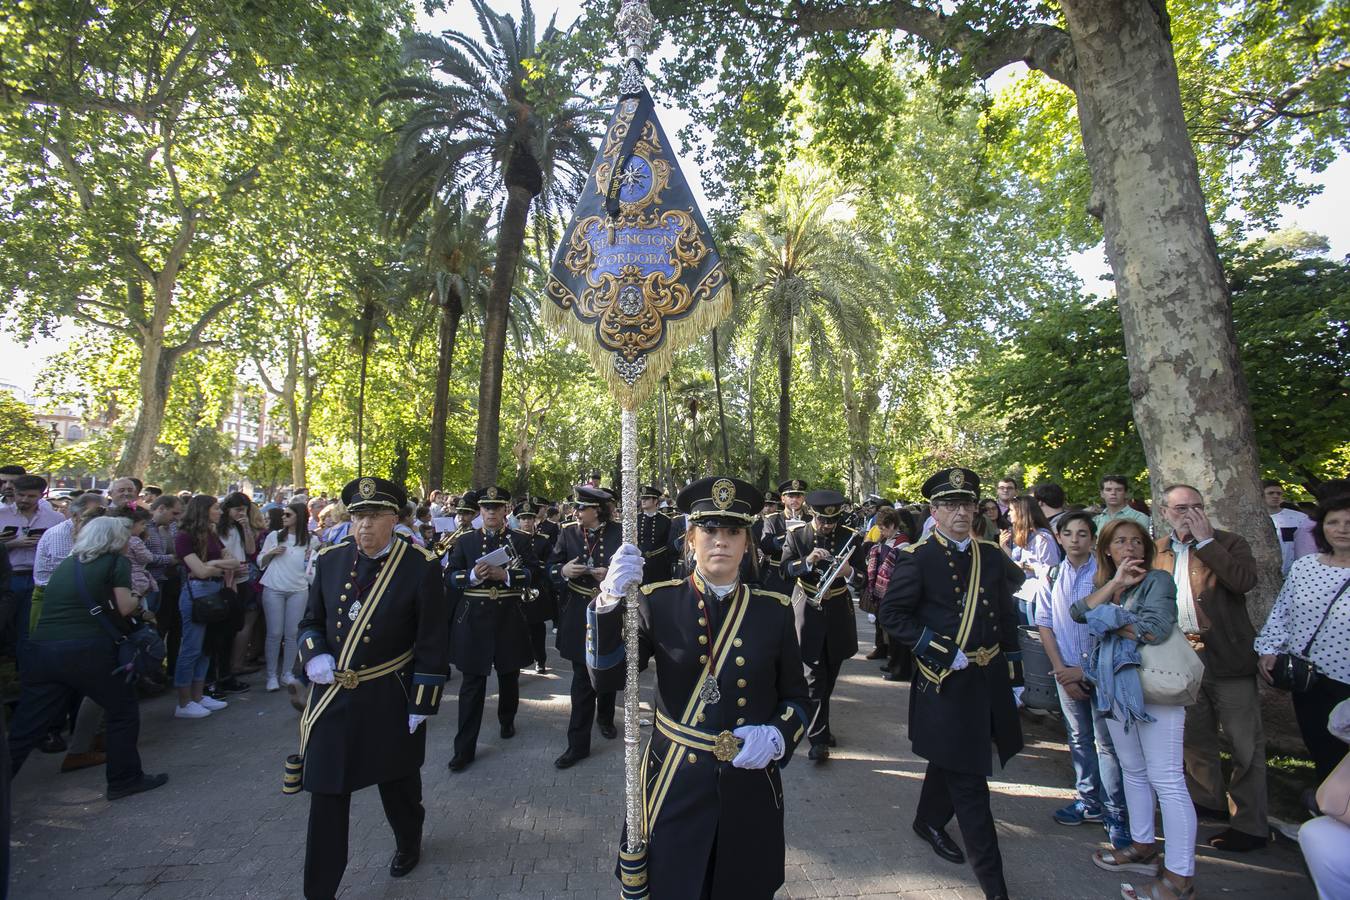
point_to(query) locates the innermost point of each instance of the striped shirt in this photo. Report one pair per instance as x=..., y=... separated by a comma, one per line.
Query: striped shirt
x=54, y=546
x=1052, y=608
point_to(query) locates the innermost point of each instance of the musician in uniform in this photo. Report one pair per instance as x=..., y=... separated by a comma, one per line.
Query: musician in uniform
x=772, y=506
x=825, y=625
x=653, y=536
x=373, y=643
x=488, y=628
x=774, y=530
x=731, y=705
x=580, y=560
x=466, y=507
x=951, y=599
x=547, y=527
x=543, y=606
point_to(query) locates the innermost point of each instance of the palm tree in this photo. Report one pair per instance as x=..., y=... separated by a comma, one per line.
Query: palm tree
x=498, y=121
x=804, y=279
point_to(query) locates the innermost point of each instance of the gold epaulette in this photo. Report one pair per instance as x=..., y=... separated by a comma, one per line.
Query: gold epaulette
x=910, y=548
x=430, y=555
x=794, y=524
x=783, y=599
x=572, y=524
x=648, y=588
x=323, y=550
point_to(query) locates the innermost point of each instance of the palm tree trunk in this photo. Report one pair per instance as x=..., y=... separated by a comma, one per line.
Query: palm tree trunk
x=510, y=240
x=784, y=407
x=451, y=310
x=721, y=411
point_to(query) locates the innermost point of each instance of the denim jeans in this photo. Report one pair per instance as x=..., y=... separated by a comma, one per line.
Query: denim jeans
x=21, y=586
x=1095, y=767
x=192, y=662
x=52, y=674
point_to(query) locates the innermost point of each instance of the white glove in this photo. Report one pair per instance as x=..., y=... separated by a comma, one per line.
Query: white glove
x=763, y=744
x=625, y=569
x=320, y=669
x=1339, y=723
x=414, y=721
x=960, y=662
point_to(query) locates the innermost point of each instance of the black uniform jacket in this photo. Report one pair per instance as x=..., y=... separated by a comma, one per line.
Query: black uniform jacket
x=770, y=534
x=831, y=626
x=593, y=549
x=954, y=715
x=544, y=606
x=488, y=627
x=653, y=539
x=366, y=613
x=690, y=798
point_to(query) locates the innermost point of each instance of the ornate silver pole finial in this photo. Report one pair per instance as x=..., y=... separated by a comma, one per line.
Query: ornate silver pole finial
x=634, y=24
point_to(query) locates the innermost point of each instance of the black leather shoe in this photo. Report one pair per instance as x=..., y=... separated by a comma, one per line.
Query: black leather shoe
x=877, y=653
x=569, y=759
x=146, y=783
x=458, y=764
x=1234, y=841
x=540, y=669
x=891, y=676
x=819, y=753
x=403, y=863
x=608, y=731
x=508, y=730
x=829, y=739
x=941, y=842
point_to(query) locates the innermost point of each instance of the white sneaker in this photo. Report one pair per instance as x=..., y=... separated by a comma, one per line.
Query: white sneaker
x=272, y=683
x=212, y=704
x=192, y=710
x=287, y=679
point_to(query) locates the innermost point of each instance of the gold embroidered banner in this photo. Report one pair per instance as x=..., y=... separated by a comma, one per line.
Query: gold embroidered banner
x=637, y=276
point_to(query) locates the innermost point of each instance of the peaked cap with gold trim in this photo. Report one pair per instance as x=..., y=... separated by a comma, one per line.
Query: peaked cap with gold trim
x=955, y=483
x=493, y=496
x=367, y=494
x=793, y=486
x=826, y=503
x=720, y=502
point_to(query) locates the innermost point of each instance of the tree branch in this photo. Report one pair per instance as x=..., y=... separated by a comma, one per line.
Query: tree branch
x=194, y=336
x=77, y=101
x=1277, y=107
x=63, y=155
x=1042, y=47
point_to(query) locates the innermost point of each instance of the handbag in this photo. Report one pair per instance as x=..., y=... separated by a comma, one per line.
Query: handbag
x=140, y=651
x=1170, y=672
x=211, y=609
x=1295, y=672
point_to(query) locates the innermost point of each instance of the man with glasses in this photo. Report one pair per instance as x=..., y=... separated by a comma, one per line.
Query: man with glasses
x=950, y=598
x=1213, y=570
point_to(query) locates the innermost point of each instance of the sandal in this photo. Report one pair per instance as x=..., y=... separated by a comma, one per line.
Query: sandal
x=1131, y=859
x=1158, y=889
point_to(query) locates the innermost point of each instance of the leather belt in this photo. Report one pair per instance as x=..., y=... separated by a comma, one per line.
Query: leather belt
x=350, y=678
x=657, y=552
x=502, y=593
x=1196, y=640
x=585, y=592
x=724, y=745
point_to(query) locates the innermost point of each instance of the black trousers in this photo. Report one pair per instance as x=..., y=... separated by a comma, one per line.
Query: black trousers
x=329, y=818
x=472, y=694
x=587, y=706
x=539, y=641
x=1312, y=709
x=820, y=679
x=946, y=793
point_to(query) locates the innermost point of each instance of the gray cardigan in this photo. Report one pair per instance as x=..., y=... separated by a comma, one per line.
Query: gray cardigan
x=1153, y=602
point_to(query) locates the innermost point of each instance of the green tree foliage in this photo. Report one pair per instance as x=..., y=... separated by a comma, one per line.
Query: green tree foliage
x=203, y=465
x=22, y=440
x=268, y=467
x=1054, y=398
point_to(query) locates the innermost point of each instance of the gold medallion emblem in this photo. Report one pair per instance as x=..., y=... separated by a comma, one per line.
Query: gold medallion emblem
x=830, y=511
x=492, y=493
x=957, y=478
x=723, y=493
x=345, y=678
x=796, y=485
x=726, y=746
x=366, y=488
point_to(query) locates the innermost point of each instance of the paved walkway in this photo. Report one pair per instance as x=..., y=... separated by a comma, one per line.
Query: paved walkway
x=512, y=826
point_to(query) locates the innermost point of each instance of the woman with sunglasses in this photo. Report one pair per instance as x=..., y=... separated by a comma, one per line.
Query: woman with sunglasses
x=284, y=560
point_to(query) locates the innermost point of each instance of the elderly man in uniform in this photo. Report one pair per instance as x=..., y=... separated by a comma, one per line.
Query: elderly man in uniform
x=373, y=642
x=826, y=630
x=488, y=628
x=653, y=532
x=950, y=598
x=579, y=563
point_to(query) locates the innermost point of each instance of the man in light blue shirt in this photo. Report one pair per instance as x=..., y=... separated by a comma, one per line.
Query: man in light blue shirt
x=1101, y=793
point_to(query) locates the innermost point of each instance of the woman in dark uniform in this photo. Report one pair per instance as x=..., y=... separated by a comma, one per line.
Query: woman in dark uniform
x=731, y=703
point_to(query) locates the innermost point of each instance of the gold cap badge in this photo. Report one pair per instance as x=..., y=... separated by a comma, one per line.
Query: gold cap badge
x=366, y=488
x=956, y=478
x=723, y=493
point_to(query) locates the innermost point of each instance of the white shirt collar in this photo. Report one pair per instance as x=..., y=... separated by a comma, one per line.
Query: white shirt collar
x=959, y=545
x=382, y=554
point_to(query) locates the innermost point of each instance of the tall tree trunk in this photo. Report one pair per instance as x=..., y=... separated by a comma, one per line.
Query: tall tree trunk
x=510, y=240
x=752, y=461
x=155, y=376
x=1189, y=395
x=451, y=310
x=784, y=407
x=367, y=326
x=721, y=410
x=667, y=477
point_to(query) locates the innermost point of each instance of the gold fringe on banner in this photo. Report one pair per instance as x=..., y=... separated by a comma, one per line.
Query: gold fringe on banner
x=679, y=334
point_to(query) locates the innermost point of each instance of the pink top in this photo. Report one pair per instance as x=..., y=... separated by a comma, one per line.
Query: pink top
x=140, y=556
